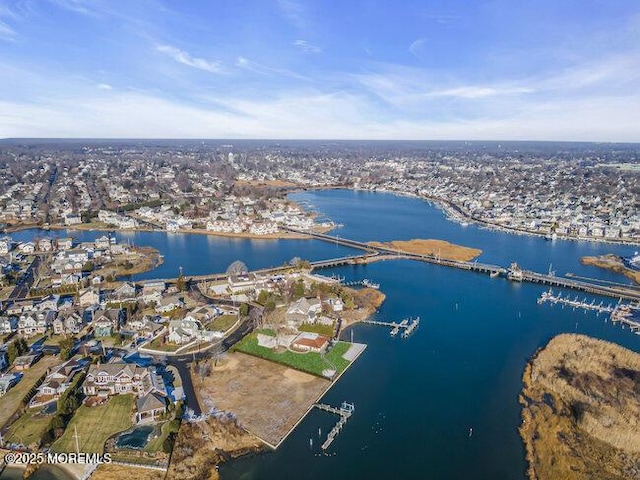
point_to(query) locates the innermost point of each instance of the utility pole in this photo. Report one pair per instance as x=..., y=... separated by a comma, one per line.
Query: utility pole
x=76, y=437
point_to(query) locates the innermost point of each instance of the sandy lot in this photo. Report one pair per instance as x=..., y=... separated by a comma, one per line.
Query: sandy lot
x=267, y=399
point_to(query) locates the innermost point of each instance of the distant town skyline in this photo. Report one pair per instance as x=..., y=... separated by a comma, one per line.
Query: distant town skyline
x=495, y=70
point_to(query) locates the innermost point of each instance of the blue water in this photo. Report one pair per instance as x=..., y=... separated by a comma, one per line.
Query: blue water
x=202, y=254
x=136, y=438
x=416, y=399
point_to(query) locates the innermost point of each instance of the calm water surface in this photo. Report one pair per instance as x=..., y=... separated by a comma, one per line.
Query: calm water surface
x=416, y=399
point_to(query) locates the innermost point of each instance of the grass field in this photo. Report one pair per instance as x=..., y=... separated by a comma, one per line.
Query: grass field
x=11, y=401
x=96, y=424
x=326, y=330
x=310, y=362
x=155, y=445
x=28, y=428
x=222, y=323
x=157, y=344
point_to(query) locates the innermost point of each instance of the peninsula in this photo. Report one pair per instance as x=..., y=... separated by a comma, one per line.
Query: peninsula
x=613, y=263
x=581, y=409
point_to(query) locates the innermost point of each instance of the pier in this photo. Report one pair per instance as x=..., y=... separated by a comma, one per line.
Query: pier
x=408, y=325
x=362, y=283
x=624, y=314
x=575, y=303
x=344, y=412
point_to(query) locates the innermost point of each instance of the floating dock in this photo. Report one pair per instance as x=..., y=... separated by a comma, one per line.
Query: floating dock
x=408, y=325
x=548, y=296
x=344, y=412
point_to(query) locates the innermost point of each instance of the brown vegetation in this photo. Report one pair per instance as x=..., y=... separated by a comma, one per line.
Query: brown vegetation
x=445, y=250
x=267, y=399
x=581, y=411
x=201, y=446
x=118, y=472
x=613, y=263
x=367, y=301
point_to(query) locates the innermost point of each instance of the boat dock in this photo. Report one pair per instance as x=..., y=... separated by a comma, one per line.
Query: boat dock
x=548, y=296
x=362, y=283
x=408, y=324
x=624, y=315
x=344, y=412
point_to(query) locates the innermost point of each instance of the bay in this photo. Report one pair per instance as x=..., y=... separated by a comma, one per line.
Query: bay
x=417, y=399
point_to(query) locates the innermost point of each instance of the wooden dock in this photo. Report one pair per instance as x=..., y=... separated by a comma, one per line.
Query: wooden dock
x=408, y=325
x=344, y=412
x=624, y=314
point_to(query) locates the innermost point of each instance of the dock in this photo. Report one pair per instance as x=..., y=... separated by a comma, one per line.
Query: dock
x=624, y=314
x=549, y=296
x=408, y=325
x=344, y=412
x=365, y=282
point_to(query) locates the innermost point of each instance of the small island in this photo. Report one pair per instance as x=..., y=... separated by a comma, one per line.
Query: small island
x=441, y=248
x=581, y=410
x=614, y=263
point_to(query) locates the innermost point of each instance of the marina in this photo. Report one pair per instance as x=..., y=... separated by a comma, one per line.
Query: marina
x=549, y=296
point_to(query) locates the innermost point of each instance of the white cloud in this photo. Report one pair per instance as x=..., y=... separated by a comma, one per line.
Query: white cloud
x=294, y=11
x=185, y=58
x=104, y=86
x=472, y=92
x=417, y=48
x=307, y=47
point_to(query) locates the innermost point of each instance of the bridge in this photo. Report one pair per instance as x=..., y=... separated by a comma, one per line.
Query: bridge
x=493, y=270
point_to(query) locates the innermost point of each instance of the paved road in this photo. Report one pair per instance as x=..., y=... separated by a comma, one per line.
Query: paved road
x=23, y=287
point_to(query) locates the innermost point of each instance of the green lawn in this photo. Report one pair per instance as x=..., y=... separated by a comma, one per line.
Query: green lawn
x=222, y=323
x=326, y=330
x=29, y=428
x=155, y=445
x=310, y=362
x=96, y=424
x=12, y=400
x=157, y=344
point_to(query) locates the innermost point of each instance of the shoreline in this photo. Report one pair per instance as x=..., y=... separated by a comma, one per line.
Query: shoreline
x=453, y=212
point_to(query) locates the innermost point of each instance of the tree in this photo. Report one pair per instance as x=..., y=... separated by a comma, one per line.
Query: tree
x=66, y=347
x=180, y=283
x=263, y=297
x=244, y=309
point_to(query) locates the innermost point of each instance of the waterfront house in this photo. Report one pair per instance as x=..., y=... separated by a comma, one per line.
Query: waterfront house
x=302, y=311
x=310, y=342
x=65, y=243
x=102, y=242
x=104, y=380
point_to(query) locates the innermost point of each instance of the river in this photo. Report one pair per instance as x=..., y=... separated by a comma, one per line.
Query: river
x=416, y=399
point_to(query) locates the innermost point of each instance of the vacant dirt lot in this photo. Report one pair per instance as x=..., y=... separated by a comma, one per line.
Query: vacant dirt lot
x=267, y=399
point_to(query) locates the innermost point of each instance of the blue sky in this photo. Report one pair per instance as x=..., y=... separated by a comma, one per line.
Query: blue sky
x=352, y=69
